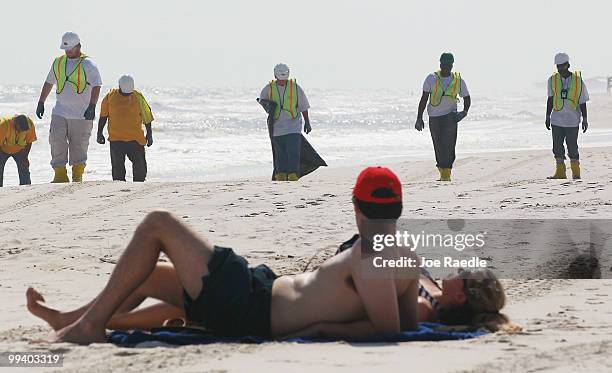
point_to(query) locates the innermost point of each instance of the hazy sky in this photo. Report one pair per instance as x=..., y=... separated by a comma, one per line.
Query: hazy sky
x=327, y=43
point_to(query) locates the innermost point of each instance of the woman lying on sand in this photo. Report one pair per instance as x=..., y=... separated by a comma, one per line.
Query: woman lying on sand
x=345, y=298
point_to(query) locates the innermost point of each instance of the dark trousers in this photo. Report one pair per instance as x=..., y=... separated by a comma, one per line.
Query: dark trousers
x=24, y=172
x=135, y=153
x=569, y=135
x=287, y=153
x=443, y=131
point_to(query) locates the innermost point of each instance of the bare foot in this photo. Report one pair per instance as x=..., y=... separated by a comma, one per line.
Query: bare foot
x=81, y=333
x=36, y=306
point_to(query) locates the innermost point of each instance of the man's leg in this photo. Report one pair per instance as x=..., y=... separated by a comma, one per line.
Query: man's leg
x=435, y=131
x=159, y=232
x=450, y=139
x=163, y=284
x=294, y=147
x=280, y=157
x=79, y=132
x=58, y=140
x=117, y=153
x=571, y=139
x=23, y=169
x=136, y=154
x=558, y=136
x=3, y=158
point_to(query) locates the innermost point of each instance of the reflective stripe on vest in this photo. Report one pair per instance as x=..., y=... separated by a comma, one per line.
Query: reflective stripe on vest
x=290, y=98
x=574, y=90
x=12, y=138
x=77, y=78
x=435, y=96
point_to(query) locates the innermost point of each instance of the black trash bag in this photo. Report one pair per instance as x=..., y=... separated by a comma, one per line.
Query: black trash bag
x=310, y=160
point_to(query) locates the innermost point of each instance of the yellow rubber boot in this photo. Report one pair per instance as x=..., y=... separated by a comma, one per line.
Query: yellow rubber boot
x=445, y=174
x=559, y=172
x=61, y=175
x=281, y=176
x=575, y=165
x=77, y=172
x=293, y=177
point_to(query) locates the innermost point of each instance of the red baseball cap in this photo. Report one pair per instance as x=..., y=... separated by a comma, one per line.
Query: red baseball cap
x=378, y=185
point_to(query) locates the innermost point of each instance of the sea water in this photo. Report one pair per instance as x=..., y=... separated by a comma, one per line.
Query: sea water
x=212, y=134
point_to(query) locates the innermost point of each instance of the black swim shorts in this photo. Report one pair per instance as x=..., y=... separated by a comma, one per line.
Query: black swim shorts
x=235, y=299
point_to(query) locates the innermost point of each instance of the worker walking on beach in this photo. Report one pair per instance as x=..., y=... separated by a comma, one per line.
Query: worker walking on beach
x=126, y=110
x=291, y=105
x=442, y=88
x=78, y=84
x=567, y=98
x=17, y=134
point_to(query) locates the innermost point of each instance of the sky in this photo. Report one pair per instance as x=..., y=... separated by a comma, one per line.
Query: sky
x=499, y=46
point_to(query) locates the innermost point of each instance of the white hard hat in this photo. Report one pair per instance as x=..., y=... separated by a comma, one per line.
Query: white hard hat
x=281, y=71
x=126, y=84
x=561, y=58
x=70, y=40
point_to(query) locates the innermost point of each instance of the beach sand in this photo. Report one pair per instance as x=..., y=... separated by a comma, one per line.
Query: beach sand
x=63, y=239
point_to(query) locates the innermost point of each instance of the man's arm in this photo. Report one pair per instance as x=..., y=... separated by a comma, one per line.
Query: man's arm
x=467, y=102
x=419, y=125
x=44, y=93
x=90, y=113
x=149, y=134
x=307, y=127
x=549, y=109
x=377, y=291
x=101, y=124
x=585, y=122
x=24, y=153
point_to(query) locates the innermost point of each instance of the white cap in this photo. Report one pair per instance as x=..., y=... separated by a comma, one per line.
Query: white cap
x=70, y=40
x=281, y=71
x=561, y=58
x=126, y=84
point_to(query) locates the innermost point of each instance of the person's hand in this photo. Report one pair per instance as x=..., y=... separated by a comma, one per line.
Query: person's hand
x=419, y=125
x=547, y=122
x=585, y=125
x=40, y=109
x=101, y=139
x=149, y=139
x=307, y=127
x=90, y=113
x=461, y=115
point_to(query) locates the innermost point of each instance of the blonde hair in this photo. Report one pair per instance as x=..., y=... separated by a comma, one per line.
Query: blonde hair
x=485, y=298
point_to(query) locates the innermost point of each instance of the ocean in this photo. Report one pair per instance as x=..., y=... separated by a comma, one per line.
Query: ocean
x=214, y=134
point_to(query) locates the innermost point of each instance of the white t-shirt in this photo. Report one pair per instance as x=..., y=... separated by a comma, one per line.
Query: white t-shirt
x=285, y=124
x=567, y=117
x=70, y=104
x=447, y=105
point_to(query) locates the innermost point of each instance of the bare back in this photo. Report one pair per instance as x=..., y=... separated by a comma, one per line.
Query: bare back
x=335, y=293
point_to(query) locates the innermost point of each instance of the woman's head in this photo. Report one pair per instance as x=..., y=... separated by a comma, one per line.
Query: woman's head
x=475, y=298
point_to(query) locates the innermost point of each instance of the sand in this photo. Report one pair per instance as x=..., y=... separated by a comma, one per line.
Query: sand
x=63, y=239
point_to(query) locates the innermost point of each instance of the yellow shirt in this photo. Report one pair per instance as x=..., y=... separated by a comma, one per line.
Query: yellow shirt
x=10, y=141
x=124, y=117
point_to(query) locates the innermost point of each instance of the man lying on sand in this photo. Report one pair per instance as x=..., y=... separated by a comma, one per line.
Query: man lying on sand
x=215, y=287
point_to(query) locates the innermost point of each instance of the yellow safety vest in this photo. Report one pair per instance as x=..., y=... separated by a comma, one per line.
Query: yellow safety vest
x=290, y=99
x=77, y=78
x=453, y=89
x=12, y=138
x=573, y=90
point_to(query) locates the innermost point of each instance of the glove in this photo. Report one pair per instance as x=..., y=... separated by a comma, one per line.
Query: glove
x=307, y=127
x=90, y=113
x=101, y=139
x=461, y=115
x=585, y=125
x=40, y=109
x=547, y=123
x=419, y=125
x=149, y=139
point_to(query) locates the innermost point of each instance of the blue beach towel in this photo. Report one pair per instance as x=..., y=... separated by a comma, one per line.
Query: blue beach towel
x=425, y=332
